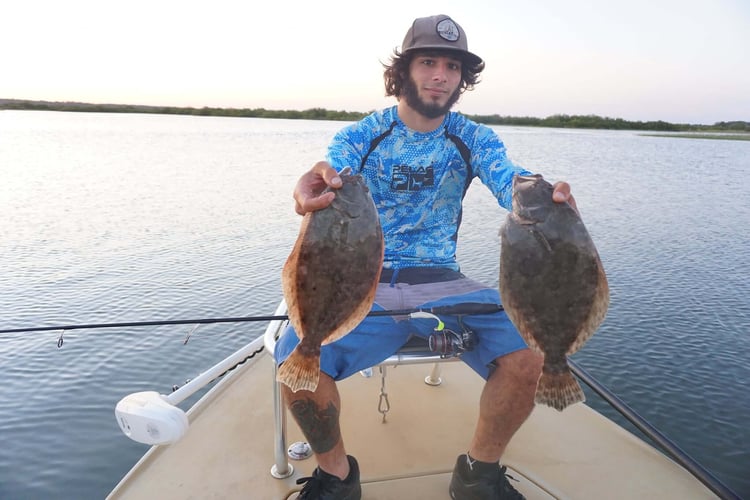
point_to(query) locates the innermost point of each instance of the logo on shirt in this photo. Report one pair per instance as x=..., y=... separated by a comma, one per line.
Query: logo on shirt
x=405, y=178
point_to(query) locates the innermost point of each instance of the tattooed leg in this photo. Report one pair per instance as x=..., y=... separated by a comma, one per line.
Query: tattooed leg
x=317, y=414
x=319, y=425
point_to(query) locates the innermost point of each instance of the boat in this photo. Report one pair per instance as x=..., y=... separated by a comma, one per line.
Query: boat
x=405, y=420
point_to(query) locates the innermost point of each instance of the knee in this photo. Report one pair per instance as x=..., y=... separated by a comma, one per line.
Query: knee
x=325, y=390
x=524, y=366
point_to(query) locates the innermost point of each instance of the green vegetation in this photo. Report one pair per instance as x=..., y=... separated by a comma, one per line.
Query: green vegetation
x=309, y=114
x=556, y=121
x=593, y=121
x=725, y=137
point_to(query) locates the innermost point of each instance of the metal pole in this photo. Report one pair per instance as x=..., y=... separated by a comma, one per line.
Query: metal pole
x=281, y=467
x=669, y=447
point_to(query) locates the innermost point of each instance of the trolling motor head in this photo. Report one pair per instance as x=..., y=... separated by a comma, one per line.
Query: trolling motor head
x=148, y=418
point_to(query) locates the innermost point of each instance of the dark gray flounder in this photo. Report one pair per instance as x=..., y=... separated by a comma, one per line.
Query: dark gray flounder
x=552, y=284
x=330, y=277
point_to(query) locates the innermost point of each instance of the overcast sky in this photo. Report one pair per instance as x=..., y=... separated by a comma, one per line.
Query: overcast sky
x=682, y=61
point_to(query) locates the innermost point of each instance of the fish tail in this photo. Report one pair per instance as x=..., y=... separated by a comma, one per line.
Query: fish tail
x=300, y=372
x=558, y=390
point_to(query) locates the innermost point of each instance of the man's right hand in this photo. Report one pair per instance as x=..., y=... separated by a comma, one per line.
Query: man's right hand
x=307, y=192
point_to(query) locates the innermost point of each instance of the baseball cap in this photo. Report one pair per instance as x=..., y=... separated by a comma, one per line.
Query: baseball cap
x=438, y=32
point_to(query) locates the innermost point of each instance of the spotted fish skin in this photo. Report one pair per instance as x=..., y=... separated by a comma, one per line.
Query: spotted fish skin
x=552, y=284
x=330, y=277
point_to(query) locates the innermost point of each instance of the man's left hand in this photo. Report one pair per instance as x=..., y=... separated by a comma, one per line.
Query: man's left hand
x=561, y=194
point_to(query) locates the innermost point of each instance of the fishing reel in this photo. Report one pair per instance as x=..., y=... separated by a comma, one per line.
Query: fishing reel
x=446, y=342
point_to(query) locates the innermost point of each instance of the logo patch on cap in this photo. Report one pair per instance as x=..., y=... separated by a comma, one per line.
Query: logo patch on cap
x=448, y=30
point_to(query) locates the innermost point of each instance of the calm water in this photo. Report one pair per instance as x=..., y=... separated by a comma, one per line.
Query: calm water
x=137, y=217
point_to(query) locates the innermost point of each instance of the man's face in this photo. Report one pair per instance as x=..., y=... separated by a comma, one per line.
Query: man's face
x=433, y=86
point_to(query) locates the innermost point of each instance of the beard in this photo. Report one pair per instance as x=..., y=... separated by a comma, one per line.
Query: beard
x=429, y=110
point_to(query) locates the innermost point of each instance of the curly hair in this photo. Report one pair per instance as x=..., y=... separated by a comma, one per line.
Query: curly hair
x=397, y=71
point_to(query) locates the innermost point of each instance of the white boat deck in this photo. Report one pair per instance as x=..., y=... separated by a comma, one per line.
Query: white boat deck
x=228, y=451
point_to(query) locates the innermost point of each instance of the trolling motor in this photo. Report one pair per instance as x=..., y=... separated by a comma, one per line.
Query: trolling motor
x=152, y=418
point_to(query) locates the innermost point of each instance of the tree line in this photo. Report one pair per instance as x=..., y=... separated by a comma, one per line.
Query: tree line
x=555, y=121
x=598, y=122
x=308, y=114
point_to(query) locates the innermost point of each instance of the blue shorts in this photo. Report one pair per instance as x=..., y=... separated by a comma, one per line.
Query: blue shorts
x=378, y=337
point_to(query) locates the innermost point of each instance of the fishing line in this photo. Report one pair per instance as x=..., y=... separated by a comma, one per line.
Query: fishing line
x=466, y=308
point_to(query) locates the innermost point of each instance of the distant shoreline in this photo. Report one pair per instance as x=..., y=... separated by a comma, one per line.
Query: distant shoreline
x=690, y=135
x=741, y=128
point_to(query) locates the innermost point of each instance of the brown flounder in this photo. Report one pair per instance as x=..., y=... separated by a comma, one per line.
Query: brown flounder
x=552, y=284
x=330, y=277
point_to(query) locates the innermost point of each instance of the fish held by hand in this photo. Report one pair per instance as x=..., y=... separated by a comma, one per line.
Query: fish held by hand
x=330, y=277
x=552, y=284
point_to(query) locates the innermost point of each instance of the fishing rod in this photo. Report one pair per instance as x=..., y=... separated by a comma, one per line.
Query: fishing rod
x=679, y=456
x=452, y=310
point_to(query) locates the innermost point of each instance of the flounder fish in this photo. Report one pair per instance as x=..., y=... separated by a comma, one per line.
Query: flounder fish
x=552, y=284
x=331, y=276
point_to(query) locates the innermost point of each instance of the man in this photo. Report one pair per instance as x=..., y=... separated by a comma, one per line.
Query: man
x=418, y=158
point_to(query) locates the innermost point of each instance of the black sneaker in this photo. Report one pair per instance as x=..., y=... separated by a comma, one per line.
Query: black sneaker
x=488, y=485
x=324, y=486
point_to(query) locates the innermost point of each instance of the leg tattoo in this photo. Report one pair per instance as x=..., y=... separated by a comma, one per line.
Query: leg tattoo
x=319, y=425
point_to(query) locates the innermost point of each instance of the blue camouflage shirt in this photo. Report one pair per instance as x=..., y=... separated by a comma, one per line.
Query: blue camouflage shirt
x=418, y=181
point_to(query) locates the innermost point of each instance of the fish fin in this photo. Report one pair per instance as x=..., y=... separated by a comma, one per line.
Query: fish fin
x=358, y=314
x=290, y=278
x=300, y=372
x=596, y=315
x=532, y=343
x=334, y=336
x=523, y=328
x=348, y=325
x=558, y=390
